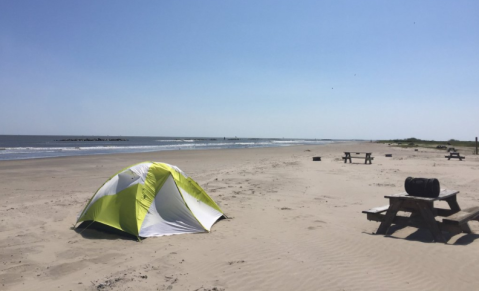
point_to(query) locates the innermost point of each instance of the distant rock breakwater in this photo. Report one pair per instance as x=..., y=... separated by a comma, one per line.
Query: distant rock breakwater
x=92, y=139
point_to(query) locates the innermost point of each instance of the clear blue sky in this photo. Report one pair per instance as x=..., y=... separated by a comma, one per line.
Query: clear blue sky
x=301, y=69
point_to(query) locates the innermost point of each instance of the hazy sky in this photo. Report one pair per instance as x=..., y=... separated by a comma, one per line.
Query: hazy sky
x=304, y=69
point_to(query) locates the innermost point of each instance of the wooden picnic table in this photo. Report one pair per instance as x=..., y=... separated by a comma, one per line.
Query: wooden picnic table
x=423, y=214
x=367, y=157
x=454, y=155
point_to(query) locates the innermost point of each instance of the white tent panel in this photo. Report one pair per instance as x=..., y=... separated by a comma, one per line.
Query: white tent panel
x=129, y=177
x=178, y=170
x=168, y=214
x=202, y=211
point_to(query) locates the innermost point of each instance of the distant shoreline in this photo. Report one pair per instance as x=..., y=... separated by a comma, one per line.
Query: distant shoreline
x=34, y=147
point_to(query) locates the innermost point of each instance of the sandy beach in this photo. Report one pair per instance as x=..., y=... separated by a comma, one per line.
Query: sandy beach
x=294, y=224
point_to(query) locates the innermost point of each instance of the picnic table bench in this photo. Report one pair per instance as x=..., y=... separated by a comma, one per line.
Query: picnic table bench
x=454, y=155
x=423, y=214
x=367, y=157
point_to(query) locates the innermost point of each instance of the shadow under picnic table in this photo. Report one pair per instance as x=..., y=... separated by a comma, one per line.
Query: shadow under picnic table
x=425, y=236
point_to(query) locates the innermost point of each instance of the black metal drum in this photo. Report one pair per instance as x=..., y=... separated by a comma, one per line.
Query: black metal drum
x=422, y=187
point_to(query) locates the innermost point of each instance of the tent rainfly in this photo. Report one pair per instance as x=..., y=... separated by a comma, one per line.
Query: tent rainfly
x=152, y=199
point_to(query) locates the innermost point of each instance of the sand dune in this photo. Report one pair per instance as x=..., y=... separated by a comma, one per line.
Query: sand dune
x=294, y=224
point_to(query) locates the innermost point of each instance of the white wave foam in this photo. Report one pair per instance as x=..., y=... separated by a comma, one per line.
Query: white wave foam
x=147, y=147
x=190, y=144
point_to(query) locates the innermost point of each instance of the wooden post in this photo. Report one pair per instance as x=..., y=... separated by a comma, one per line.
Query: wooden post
x=476, y=146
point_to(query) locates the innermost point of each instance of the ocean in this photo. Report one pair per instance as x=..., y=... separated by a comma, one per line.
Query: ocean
x=17, y=147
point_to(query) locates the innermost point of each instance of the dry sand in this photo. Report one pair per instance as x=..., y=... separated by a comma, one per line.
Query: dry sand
x=295, y=224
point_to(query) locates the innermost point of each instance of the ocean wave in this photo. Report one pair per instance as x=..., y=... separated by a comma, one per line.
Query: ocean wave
x=12, y=153
x=288, y=141
x=132, y=147
x=115, y=147
x=176, y=140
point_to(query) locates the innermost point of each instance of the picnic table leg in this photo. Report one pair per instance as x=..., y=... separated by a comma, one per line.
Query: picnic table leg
x=428, y=217
x=452, y=202
x=415, y=214
x=465, y=228
x=348, y=157
x=389, y=217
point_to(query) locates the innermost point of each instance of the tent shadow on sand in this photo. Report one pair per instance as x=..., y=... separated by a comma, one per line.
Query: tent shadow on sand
x=96, y=230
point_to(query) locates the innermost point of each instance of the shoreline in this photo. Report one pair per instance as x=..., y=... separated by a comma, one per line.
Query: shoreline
x=173, y=152
x=46, y=147
x=290, y=219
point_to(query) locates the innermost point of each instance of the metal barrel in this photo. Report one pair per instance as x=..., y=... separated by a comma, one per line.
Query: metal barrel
x=422, y=187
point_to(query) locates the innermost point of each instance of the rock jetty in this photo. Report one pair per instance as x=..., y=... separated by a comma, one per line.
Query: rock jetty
x=92, y=139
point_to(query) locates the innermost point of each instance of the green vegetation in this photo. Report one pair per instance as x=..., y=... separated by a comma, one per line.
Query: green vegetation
x=415, y=142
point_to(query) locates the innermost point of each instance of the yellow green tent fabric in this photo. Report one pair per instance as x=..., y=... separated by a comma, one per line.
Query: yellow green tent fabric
x=152, y=199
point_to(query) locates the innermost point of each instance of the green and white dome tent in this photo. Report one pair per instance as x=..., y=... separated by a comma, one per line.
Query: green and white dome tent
x=152, y=199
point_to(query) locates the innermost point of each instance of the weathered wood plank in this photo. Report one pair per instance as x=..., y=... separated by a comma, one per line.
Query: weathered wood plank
x=462, y=217
x=372, y=158
x=443, y=195
x=471, y=209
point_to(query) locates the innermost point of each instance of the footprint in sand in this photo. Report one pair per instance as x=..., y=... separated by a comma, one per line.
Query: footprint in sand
x=235, y=262
x=315, y=227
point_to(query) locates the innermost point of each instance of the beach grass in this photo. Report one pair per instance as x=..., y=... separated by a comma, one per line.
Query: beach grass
x=414, y=142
